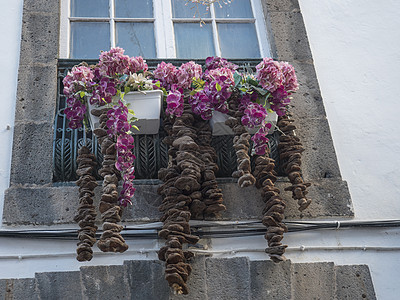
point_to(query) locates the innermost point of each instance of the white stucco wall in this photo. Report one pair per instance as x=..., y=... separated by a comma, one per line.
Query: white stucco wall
x=355, y=47
x=10, y=35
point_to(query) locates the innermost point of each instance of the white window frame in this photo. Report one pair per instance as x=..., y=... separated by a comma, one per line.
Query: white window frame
x=164, y=27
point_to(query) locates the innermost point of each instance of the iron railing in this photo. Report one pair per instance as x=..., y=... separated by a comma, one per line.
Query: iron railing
x=151, y=154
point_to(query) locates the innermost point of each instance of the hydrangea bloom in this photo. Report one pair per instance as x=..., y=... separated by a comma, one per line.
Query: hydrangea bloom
x=115, y=62
x=215, y=62
x=166, y=74
x=187, y=72
x=220, y=74
x=269, y=74
x=78, y=79
x=289, y=80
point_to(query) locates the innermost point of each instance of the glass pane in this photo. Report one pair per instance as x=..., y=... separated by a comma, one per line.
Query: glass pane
x=238, y=41
x=133, y=8
x=235, y=9
x=89, y=8
x=88, y=38
x=193, y=41
x=137, y=39
x=181, y=10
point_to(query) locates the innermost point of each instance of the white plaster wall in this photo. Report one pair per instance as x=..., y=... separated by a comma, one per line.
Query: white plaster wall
x=355, y=46
x=10, y=35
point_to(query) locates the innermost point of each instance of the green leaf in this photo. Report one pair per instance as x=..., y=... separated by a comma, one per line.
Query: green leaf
x=137, y=128
x=218, y=87
x=82, y=94
x=131, y=112
x=261, y=91
x=158, y=84
x=237, y=78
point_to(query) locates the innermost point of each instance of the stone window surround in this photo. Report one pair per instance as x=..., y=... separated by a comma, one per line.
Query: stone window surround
x=33, y=199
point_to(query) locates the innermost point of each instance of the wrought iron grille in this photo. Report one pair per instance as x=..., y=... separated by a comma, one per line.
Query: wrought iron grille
x=151, y=154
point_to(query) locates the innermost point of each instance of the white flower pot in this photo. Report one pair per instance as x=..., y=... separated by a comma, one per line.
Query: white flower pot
x=218, y=126
x=147, y=106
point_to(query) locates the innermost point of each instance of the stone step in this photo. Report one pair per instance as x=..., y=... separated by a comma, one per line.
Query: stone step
x=354, y=282
x=212, y=278
x=313, y=281
x=269, y=280
x=22, y=288
x=59, y=285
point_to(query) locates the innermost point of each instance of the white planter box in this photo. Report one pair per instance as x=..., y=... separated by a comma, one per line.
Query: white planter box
x=218, y=126
x=147, y=107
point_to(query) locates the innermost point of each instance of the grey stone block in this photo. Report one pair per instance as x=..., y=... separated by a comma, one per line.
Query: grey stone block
x=307, y=101
x=32, y=153
x=354, y=282
x=40, y=205
x=47, y=205
x=196, y=282
x=270, y=280
x=40, y=38
x=145, y=204
x=330, y=198
x=59, y=285
x=21, y=289
x=280, y=5
x=313, y=281
x=228, y=278
x=319, y=158
x=105, y=282
x=146, y=279
x=52, y=6
x=288, y=36
x=37, y=93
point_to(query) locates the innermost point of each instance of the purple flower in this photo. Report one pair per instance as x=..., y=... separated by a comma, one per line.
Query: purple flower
x=175, y=102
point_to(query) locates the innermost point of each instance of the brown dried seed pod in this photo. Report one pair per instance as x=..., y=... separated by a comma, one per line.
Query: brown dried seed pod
x=86, y=214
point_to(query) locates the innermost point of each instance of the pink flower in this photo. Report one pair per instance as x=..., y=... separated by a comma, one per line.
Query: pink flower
x=187, y=72
x=79, y=79
x=223, y=74
x=269, y=74
x=289, y=77
x=166, y=74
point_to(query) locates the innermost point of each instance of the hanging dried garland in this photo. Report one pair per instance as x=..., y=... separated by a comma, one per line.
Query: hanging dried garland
x=86, y=215
x=182, y=181
x=290, y=149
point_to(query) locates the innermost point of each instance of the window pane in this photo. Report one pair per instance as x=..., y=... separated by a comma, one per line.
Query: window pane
x=235, y=9
x=133, y=8
x=180, y=10
x=238, y=40
x=193, y=41
x=89, y=8
x=87, y=39
x=136, y=39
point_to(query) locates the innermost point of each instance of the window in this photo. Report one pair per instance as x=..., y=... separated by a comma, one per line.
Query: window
x=162, y=29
